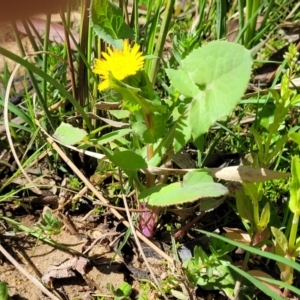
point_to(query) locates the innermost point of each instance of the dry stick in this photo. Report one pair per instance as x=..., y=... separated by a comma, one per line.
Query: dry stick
x=100, y=197
x=29, y=276
x=136, y=238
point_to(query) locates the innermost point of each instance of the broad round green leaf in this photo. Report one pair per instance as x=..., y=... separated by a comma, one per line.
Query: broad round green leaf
x=195, y=185
x=215, y=76
x=128, y=160
x=69, y=135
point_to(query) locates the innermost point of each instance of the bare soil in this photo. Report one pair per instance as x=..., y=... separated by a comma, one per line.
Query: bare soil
x=37, y=258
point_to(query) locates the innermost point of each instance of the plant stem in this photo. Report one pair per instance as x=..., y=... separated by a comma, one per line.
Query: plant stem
x=293, y=232
x=255, y=212
x=161, y=40
x=251, y=15
x=45, y=56
x=150, y=178
x=239, y=280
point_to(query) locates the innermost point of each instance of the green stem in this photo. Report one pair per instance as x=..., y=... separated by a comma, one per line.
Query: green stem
x=251, y=17
x=293, y=232
x=45, y=56
x=151, y=29
x=241, y=19
x=161, y=40
x=136, y=20
x=82, y=69
x=150, y=181
x=239, y=281
x=255, y=212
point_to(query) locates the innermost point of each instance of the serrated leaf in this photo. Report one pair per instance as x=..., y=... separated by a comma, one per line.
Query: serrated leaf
x=182, y=134
x=109, y=24
x=151, y=130
x=69, y=135
x=133, y=99
x=221, y=71
x=195, y=185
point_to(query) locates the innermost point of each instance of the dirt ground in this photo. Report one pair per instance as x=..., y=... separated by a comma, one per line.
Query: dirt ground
x=37, y=258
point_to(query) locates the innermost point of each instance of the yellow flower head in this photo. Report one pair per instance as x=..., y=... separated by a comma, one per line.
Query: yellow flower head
x=120, y=64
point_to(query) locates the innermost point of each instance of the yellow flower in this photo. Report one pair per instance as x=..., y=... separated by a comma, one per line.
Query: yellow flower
x=120, y=64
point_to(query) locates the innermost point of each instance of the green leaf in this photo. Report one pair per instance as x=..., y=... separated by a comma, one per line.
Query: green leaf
x=120, y=114
x=294, y=203
x=278, y=148
x=183, y=83
x=210, y=203
x=195, y=185
x=243, y=206
x=258, y=142
x=150, y=128
x=126, y=160
x=264, y=218
x=19, y=112
x=295, y=137
x=109, y=24
x=69, y=135
x=178, y=295
x=182, y=134
x=124, y=289
x=129, y=160
x=224, y=279
x=109, y=137
x=254, y=250
x=253, y=190
x=3, y=291
x=221, y=71
x=280, y=238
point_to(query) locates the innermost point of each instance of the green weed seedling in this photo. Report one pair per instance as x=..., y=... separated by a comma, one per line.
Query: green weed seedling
x=123, y=292
x=211, y=271
x=49, y=224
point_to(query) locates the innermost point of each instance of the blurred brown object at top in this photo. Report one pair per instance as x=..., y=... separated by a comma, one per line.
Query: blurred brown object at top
x=11, y=10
